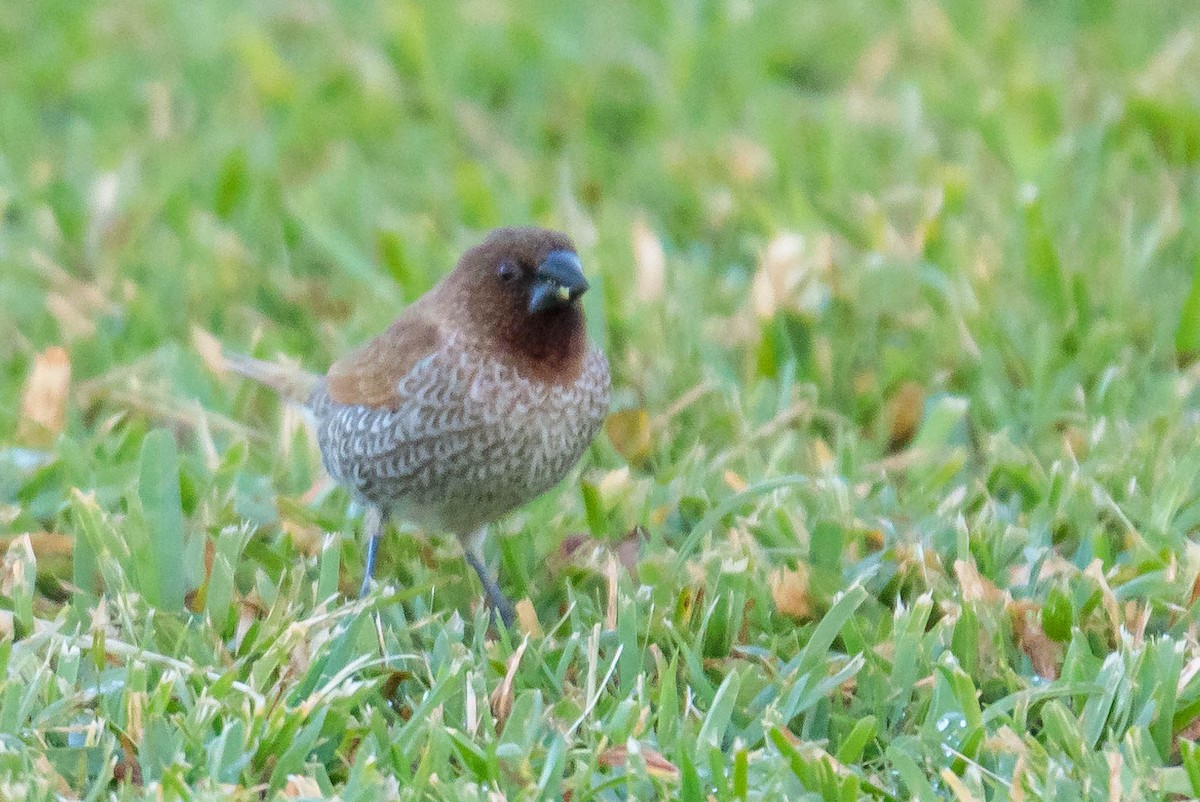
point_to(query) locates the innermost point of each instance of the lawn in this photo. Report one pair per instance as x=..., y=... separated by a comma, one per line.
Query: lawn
x=898, y=496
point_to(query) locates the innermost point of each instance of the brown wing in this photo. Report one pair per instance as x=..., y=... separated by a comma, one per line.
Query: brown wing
x=369, y=374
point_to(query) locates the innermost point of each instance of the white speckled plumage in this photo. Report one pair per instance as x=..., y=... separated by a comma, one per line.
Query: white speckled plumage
x=469, y=440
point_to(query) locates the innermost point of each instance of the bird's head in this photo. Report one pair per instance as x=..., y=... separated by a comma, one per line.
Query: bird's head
x=533, y=271
x=522, y=286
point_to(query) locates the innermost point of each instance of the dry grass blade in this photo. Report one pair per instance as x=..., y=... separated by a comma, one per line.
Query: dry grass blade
x=650, y=262
x=1044, y=654
x=789, y=591
x=629, y=432
x=975, y=587
x=210, y=350
x=45, y=544
x=301, y=787
x=612, y=575
x=656, y=764
x=1108, y=599
x=527, y=619
x=502, y=697
x=44, y=397
x=903, y=414
x=789, y=276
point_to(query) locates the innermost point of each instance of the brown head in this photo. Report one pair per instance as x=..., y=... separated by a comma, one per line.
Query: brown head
x=516, y=294
x=520, y=289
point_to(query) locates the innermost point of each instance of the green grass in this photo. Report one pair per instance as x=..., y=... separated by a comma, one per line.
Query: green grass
x=900, y=497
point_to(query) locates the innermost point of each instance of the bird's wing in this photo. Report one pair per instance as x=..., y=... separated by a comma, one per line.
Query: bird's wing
x=369, y=376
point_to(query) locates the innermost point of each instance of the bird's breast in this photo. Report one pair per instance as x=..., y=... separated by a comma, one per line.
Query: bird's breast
x=471, y=438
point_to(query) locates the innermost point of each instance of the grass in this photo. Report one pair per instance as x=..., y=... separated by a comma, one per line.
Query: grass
x=899, y=495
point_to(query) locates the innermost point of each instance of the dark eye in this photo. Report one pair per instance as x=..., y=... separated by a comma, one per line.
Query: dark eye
x=507, y=271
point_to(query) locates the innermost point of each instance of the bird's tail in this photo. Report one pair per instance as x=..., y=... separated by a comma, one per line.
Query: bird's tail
x=291, y=382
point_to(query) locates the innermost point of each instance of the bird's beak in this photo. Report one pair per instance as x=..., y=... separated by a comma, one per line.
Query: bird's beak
x=558, y=282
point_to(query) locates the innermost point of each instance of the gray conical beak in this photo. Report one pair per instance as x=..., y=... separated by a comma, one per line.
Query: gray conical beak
x=558, y=282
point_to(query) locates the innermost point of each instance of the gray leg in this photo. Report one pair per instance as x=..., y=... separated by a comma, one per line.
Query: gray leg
x=491, y=591
x=372, y=531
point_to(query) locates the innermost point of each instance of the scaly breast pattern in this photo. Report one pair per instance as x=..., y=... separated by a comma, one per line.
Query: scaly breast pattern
x=470, y=440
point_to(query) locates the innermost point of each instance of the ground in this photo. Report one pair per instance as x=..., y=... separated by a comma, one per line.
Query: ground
x=898, y=496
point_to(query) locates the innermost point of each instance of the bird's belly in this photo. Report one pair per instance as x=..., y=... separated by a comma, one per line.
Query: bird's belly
x=458, y=458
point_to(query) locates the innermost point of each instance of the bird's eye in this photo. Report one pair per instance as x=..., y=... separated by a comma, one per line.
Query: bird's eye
x=507, y=271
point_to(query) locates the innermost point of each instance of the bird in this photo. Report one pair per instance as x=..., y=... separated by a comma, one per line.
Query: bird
x=480, y=396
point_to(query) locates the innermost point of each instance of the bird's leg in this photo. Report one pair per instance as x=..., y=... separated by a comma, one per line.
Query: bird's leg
x=372, y=531
x=491, y=590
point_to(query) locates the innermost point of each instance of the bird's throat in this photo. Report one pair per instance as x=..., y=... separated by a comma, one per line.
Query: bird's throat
x=550, y=345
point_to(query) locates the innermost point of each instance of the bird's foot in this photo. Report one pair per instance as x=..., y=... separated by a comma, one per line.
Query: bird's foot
x=497, y=602
x=503, y=608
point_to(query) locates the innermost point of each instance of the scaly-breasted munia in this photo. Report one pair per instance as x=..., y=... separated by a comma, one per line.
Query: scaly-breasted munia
x=480, y=397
